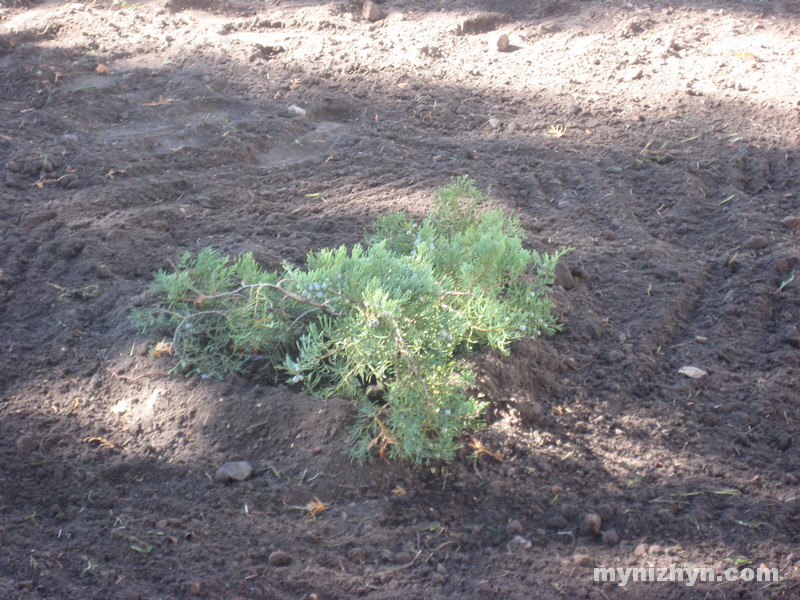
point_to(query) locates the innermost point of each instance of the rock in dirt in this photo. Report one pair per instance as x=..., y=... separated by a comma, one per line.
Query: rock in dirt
x=592, y=524
x=519, y=544
x=557, y=522
x=371, y=11
x=279, y=558
x=296, y=111
x=233, y=471
x=640, y=550
x=503, y=43
x=756, y=242
x=792, y=222
x=693, y=372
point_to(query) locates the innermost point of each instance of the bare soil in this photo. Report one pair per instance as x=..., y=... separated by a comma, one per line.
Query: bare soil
x=657, y=139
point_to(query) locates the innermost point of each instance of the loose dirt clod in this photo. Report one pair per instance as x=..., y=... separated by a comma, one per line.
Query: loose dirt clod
x=279, y=558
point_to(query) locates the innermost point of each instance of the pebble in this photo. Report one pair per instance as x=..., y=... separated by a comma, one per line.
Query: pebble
x=233, y=471
x=296, y=111
x=503, y=43
x=756, y=242
x=640, y=550
x=371, y=11
x=792, y=222
x=519, y=544
x=592, y=524
x=557, y=522
x=279, y=558
x=610, y=537
x=495, y=123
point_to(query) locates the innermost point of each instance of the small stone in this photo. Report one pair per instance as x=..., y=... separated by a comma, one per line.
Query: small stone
x=701, y=339
x=563, y=276
x=606, y=511
x=582, y=560
x=519, y=544
x=371, y=11
x=233, y=471
x=610, y=537
x=514, y=527
x=557, y=522
x=549, y=27
x=296, y=111
x=655, y=549
x=503, y=43
x=404, y=557
x=792, y=222
x=279, y=558
x=592, y=524
x=495, y=123
x=640, y=550
x=756, y=242
x=102, y=272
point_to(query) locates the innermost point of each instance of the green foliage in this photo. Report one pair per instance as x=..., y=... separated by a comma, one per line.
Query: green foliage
x=386, y=323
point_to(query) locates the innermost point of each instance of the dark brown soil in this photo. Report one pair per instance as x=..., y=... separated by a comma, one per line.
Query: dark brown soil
x=659, y=140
